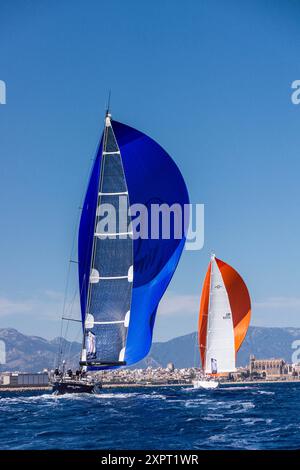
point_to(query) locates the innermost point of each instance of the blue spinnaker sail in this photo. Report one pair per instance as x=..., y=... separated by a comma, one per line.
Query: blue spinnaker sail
x=152, y=177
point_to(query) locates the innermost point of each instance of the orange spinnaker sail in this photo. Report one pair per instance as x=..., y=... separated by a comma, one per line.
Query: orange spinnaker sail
x=240, y=304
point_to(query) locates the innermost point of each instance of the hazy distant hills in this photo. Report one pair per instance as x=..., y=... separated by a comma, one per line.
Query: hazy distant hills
x=262, y=342
x=33, y=353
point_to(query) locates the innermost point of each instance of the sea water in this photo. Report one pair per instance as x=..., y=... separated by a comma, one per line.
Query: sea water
x=232, y=417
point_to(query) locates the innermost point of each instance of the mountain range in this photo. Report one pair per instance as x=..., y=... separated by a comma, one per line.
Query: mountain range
x=33, y=353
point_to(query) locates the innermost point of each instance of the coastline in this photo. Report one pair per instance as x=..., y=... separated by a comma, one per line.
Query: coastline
x=246, y=382
x=249, y=382
x=117, y=386
x=25, y=389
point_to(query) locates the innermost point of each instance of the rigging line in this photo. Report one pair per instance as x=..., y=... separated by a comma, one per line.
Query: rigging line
x=71, y=319
x=63, y=349
x=195, y=350
x=69, y=346
x=198, y=341
x=64, y=337
x=68, y=355
x=72, y=301
x=66, y=293
x=80, y=329
x=56, y=356
x=100, y=145
x=69, y=361
x=64, y=345
x=100, y=187
x=87, y=178
x=71, y=311
x=69, y=267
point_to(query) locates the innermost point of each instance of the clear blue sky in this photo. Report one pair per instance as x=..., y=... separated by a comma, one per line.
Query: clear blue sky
x=210, y=81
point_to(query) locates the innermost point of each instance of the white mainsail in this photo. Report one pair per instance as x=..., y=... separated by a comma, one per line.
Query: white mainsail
x=111, y=276
x=220, y=348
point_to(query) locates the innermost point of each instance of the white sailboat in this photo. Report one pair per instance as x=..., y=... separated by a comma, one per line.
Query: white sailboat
x=224, y=318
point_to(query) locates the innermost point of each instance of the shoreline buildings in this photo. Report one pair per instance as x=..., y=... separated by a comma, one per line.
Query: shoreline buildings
x=257, y=370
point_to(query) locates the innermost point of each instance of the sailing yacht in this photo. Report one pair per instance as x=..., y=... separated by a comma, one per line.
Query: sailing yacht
x=122, y=275
x=224, y=318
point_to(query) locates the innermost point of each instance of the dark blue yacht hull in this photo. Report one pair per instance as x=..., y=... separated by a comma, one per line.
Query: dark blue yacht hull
x=61, y=387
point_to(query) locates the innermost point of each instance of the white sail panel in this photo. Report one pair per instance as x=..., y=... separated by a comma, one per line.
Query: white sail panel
x=220, y=352
x=126, y=320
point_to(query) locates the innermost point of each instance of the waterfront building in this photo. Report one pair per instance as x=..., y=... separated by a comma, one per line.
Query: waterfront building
x=273, y=368
x=21, y=380
x=267, y=367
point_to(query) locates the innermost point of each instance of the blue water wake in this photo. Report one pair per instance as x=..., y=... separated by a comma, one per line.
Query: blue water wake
x=233, y=417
